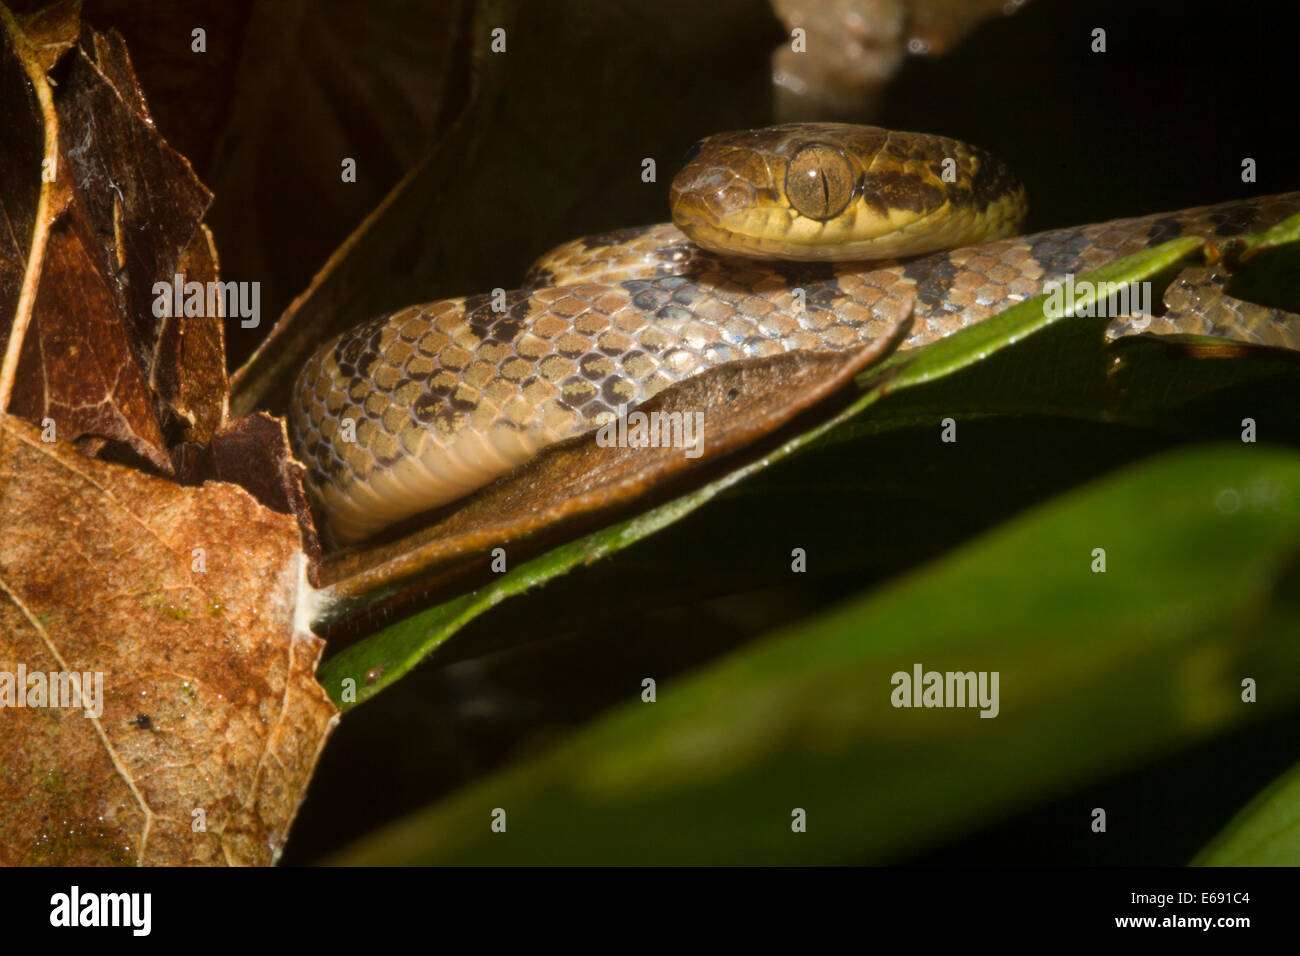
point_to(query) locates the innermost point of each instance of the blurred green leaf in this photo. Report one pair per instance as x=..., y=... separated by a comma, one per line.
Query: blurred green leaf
x=1096, y=671
x=1265, y=833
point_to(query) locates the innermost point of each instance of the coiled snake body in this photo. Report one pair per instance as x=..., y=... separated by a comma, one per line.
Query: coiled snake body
x=415, y=409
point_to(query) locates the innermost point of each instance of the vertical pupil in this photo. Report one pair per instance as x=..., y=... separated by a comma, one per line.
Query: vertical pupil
x=817, y=177
x=816, y=182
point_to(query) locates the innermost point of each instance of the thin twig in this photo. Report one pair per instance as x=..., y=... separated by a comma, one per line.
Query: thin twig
x=41, y=228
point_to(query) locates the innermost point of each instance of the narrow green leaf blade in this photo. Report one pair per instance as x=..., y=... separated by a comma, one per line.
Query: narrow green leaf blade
x=1265, y=833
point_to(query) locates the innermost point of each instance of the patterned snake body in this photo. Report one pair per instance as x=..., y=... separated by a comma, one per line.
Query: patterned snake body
x=444, y=397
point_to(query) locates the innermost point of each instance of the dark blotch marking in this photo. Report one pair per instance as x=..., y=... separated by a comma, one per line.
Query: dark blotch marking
x=1060, y=251
x=349, y=348
x=481, y=317
x=390, y=460
x=992, y=180
x=589, y=365
x=609, y=391
x=427, y=406
x=658, y=286
x=430, y=409
x=1164, y=229
x=651, y=295
x=1237, y=220
x=671, y=313
x=370, y=358
x=144, y=721
x=539, y=278
x=506, y=330
x=518, y=304
x=933, y=276
x=352, y=344
x=409, y=376
x=360, y=350
x=823, y=295
x=650, y=300
x=800, y=274
x=893, y=190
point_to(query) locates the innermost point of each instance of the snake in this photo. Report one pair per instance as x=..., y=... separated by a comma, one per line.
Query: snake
x=812, y=236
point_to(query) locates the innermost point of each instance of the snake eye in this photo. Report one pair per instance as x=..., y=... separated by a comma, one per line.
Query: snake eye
x=819, y=181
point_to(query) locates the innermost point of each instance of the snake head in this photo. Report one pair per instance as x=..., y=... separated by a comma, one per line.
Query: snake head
x=835, y=191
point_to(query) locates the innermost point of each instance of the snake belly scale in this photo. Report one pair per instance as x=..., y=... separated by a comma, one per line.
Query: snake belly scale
x=415, y=409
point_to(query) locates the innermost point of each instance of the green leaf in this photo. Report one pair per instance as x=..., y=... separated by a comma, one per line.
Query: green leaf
x=1265, y=833
x=1096, y=670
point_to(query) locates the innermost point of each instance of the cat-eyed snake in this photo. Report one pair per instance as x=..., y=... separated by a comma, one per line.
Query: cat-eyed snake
x=783, y=238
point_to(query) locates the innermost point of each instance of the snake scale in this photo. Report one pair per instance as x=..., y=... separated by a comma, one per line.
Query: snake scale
x=841, y=228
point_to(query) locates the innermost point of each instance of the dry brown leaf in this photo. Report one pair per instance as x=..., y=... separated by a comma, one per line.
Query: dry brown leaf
x=189, y=364
x=189, y=92
x=183, y=599
x=51, y=31
x=253, y=452
x=84, y=250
